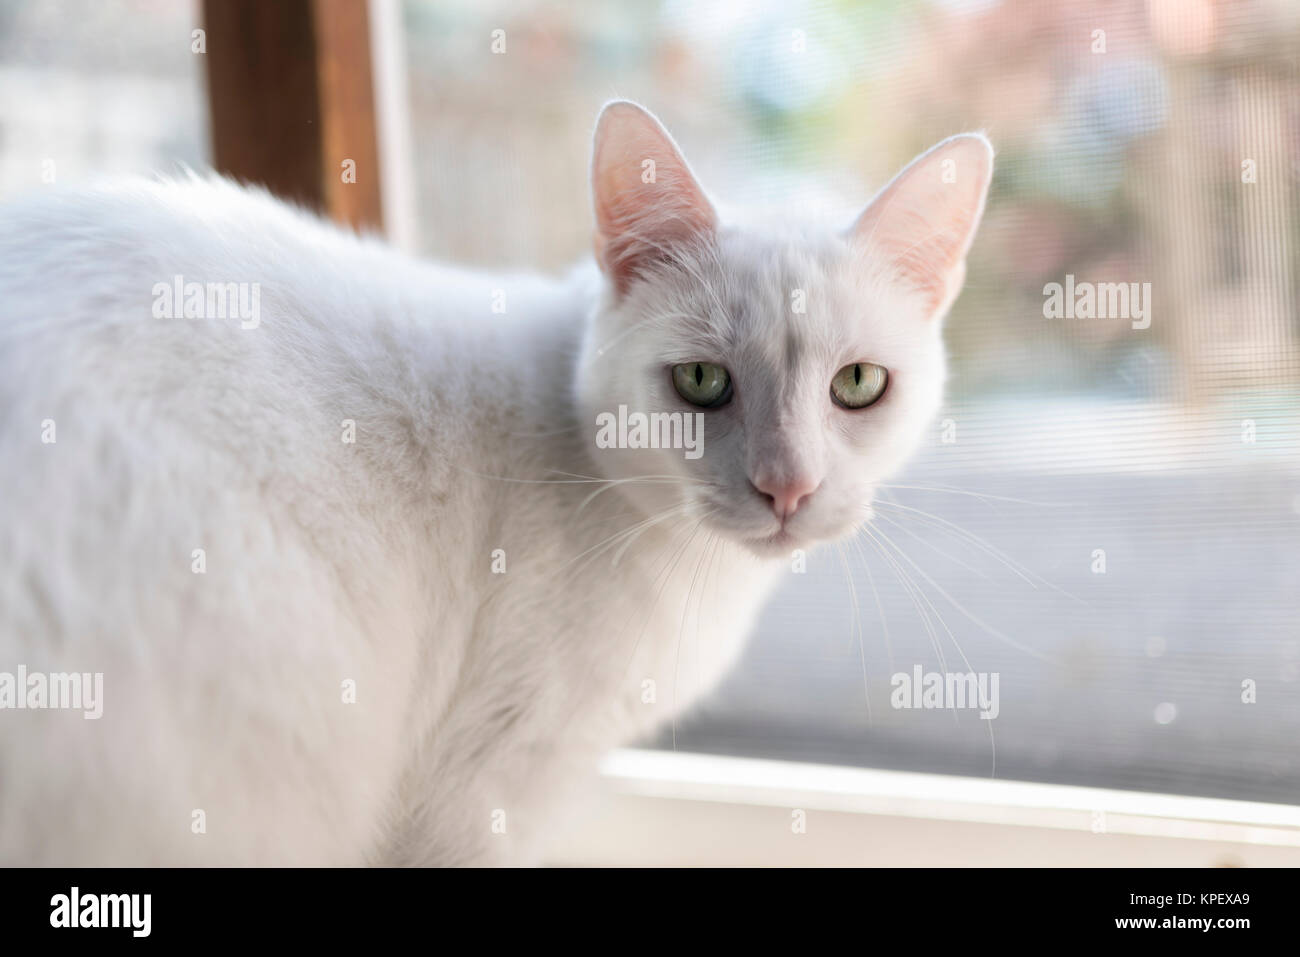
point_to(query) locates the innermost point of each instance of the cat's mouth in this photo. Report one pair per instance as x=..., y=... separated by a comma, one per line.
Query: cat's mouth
x=780, y=542
x=767, y=540
x=795, y=535
x=766, y=537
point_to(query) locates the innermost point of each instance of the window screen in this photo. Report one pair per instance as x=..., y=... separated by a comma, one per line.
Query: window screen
x=90, y=89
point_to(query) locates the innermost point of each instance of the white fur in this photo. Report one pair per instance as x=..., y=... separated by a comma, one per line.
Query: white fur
x=477, y=693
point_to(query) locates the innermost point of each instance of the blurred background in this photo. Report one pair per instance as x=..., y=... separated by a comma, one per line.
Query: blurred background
x=1106, y=516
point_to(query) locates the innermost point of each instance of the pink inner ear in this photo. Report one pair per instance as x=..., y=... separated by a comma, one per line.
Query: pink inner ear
x=923, y=253
x=640, y=222
x=646, y=230
x=920, y=227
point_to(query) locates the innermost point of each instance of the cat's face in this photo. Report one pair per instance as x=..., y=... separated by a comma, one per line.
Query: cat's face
x=799, y=366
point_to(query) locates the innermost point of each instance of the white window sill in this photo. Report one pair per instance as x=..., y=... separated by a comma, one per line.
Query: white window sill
x=662, y=808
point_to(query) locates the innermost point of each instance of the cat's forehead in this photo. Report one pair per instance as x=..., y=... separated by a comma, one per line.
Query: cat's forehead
x=785, y=294
x=765, y=280
x=779, y=298
x=758, y=260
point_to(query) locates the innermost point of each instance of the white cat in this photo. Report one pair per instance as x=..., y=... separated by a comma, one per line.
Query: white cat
x=362, y=585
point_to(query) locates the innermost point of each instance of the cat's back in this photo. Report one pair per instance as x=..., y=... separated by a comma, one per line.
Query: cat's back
x=164, y=292
x=204, y=258
x=239, y=450
x=186, y=512
x=194, y=327
x=177, y=342
x=195, y=359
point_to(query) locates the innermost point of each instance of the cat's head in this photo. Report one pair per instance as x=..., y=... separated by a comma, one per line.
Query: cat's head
x=811, y=357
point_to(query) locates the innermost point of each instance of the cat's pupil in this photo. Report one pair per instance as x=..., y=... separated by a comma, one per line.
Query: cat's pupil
x=857, y=375
x=699, y=374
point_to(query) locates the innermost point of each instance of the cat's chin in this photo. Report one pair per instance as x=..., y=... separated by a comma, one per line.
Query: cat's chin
x=782, y=543
x=777, y=545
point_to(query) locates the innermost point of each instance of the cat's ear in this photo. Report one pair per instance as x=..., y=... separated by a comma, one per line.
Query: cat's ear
x=647, y=202
x=920, y=226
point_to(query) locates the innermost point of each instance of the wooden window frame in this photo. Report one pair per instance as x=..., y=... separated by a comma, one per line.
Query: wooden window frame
x=291, y=90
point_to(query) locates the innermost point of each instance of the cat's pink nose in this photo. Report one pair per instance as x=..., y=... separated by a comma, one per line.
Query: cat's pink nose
x=786, y=497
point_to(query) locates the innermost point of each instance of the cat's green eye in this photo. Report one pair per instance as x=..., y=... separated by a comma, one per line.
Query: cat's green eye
x=702, y=383
x=858, y=385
